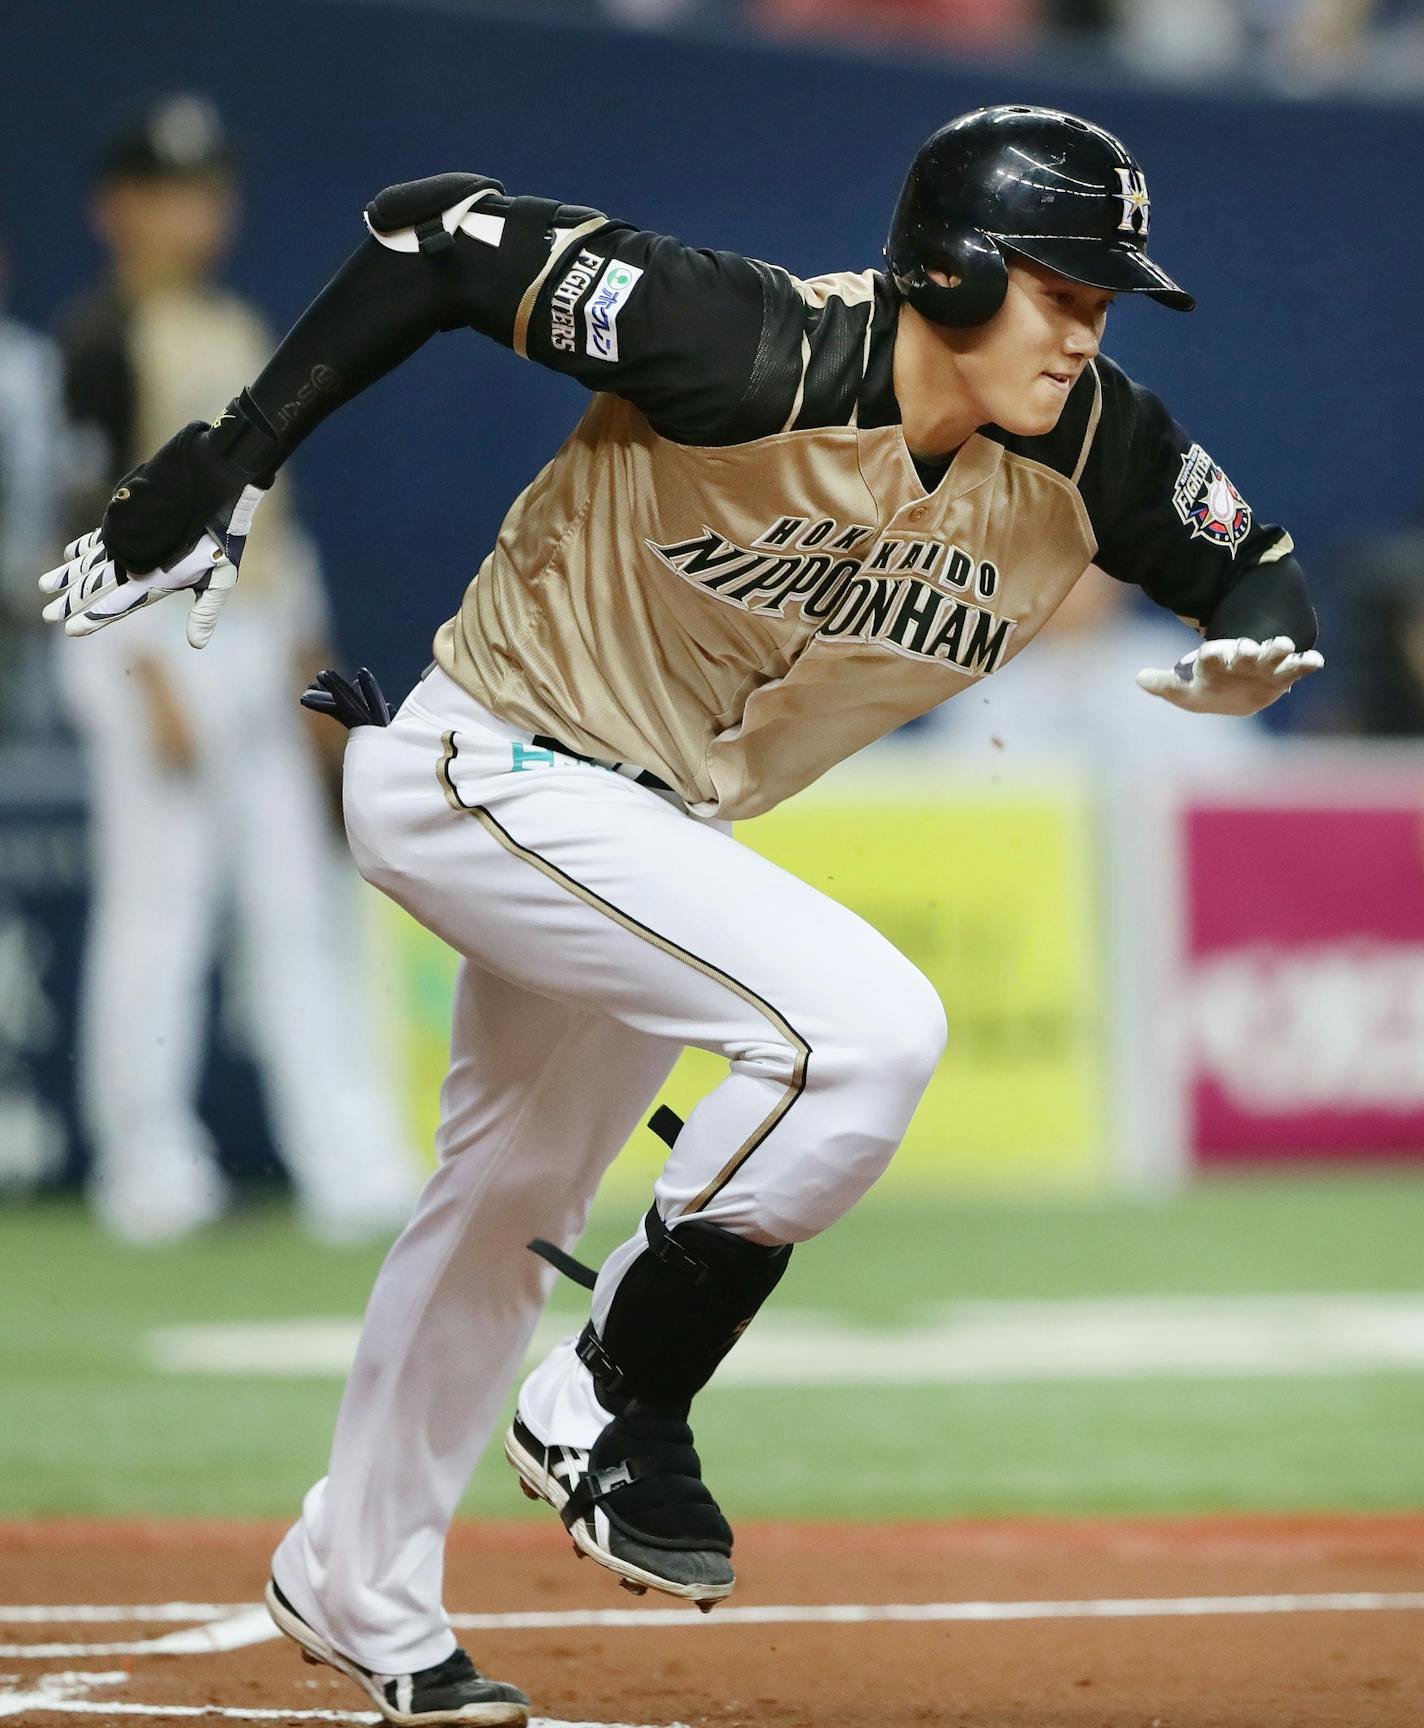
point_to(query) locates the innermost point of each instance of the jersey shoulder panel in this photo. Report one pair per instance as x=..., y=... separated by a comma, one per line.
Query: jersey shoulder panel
x=834, y=338
x=836, y=319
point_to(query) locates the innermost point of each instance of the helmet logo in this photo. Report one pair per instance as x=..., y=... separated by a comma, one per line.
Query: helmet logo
x=1136, y=205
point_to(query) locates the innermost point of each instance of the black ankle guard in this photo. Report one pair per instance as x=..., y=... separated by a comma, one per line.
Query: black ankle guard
x=678, y=1310
x=645, y=1474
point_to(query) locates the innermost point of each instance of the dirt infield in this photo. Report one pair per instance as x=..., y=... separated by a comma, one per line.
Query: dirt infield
x=1171, y=1624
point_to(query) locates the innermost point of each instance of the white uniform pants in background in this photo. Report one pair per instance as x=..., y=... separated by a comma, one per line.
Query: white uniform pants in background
x=602, y=929
x=245, y=827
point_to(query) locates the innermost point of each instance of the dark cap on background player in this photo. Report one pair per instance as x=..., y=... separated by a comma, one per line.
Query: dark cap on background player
x=175, y=137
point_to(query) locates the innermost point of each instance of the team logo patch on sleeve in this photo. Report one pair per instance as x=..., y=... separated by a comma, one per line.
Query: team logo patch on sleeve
x=600, y=312
x=1208, y=504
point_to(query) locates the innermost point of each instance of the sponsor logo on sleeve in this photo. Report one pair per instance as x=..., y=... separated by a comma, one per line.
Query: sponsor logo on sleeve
x=580, y=278
x=1208, y=504
x=600, y=312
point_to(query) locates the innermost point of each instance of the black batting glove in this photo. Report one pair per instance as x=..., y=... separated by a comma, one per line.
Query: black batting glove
x=357, y=704
x=160, y=510
x=178, y=522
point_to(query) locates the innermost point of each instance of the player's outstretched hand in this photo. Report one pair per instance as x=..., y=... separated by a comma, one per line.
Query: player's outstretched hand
x=1232, y=677
x=92, y=588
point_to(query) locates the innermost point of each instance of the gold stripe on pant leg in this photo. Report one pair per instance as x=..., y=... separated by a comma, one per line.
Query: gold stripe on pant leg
x=627, y=922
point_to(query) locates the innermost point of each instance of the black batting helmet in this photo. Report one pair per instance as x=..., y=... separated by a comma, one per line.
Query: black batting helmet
x=1030, y=181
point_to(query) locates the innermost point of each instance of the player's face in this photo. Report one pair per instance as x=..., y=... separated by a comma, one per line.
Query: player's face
x=1019, y=367
x=167, y=232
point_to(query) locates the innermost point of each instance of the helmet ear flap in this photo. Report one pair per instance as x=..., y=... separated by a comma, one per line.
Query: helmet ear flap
x=982, y=278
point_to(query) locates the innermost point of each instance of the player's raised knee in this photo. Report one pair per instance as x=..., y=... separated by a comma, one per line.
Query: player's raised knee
x=912, y=1030
x=896, y=1032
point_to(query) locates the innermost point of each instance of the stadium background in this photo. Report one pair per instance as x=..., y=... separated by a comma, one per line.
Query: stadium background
x=1060, y=1300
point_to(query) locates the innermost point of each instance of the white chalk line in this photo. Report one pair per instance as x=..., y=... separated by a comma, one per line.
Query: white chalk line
x=250, y=1625
x=1082, y=1339
x=63, y=1694
x=855, y=1614
x=83, y=1614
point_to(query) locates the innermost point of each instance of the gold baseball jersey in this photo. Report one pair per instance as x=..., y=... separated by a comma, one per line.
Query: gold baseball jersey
x=733, y=573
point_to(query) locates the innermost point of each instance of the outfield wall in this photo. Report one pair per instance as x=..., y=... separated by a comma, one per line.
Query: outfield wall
x=1143, y=979
x=1278, y=977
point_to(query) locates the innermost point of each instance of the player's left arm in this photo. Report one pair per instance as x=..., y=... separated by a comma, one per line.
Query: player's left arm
x=1169, y=520
x=180, y=520
x=679, y=331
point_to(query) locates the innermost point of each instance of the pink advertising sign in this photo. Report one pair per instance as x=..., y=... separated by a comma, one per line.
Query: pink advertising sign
x=1304, y=950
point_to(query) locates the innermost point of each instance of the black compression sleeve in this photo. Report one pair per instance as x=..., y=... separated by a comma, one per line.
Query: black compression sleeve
x=373, y=314
x=1266, y=600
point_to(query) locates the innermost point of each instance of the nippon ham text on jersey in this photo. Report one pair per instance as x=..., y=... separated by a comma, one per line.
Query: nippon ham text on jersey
x=918, y=596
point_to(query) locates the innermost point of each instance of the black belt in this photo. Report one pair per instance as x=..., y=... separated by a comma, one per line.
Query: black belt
x=639, y=776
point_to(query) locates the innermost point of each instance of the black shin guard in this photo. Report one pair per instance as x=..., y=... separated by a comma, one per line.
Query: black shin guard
x=678, y=1310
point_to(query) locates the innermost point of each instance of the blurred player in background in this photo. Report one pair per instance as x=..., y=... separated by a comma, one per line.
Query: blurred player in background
x=203, y=780
x=31, y=430
x=1381, y=691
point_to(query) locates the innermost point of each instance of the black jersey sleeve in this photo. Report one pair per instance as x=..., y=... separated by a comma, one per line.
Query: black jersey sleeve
x=1168, y=519
x=707, y=344
x=686, y=334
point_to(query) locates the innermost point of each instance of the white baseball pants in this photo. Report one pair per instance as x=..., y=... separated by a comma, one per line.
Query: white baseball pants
x=602, y=929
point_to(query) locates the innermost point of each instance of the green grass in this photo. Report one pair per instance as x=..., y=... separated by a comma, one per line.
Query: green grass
x=86, y=1426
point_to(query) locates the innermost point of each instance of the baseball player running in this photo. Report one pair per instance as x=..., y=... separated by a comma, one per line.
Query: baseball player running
x=794, y=515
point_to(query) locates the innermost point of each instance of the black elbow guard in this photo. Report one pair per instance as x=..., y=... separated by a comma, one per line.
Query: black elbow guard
x=420, y=204
x=477, y=281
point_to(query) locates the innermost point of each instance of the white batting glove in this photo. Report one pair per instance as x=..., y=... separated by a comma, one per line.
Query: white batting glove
x=91, y=589
x=1235, y=676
